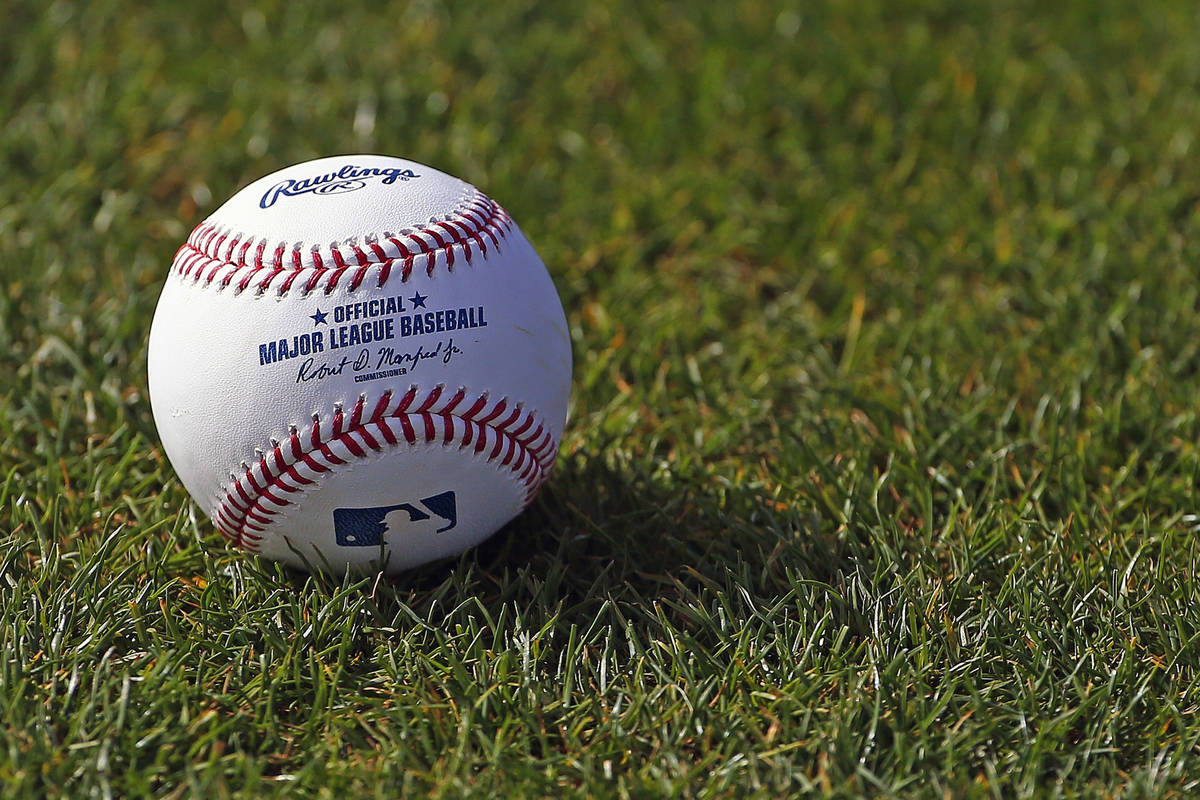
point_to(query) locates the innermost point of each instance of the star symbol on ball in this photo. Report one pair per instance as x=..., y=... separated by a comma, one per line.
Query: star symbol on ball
x=319, y=318
x=418, y=300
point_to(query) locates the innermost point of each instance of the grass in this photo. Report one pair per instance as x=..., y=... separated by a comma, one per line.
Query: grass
x=881, y=472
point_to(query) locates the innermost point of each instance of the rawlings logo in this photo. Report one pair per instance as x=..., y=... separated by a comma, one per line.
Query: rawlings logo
x=347, y=179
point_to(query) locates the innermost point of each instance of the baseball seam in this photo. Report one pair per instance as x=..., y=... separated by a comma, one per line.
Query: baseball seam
x=501, y=432
x=221, y=257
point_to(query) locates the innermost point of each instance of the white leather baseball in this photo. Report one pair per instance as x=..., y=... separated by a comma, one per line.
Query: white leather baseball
x=359, y=362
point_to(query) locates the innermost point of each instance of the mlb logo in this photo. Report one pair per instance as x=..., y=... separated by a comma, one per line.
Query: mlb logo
x=365, y=527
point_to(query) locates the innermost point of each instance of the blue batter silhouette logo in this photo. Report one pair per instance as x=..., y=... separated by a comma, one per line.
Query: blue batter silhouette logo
x=365, y=527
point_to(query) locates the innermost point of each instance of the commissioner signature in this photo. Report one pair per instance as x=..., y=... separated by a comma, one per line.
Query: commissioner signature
x=385, y=362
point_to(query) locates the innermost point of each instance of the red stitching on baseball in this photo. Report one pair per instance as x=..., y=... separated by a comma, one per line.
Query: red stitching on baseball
x=263, y=490
x=211, y=252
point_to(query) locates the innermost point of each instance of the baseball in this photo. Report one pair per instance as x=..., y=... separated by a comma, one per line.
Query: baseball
x=359, y=363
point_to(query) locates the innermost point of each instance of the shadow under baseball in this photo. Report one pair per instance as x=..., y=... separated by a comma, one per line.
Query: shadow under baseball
x=604, y=531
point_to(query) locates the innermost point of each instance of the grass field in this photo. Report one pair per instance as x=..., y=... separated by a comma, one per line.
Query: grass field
x=881, y=470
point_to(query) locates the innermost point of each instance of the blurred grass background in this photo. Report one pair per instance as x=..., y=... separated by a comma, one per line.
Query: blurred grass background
x=880, y=476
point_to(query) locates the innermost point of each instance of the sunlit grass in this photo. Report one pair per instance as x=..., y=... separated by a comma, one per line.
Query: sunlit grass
x=881, y=469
